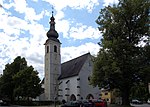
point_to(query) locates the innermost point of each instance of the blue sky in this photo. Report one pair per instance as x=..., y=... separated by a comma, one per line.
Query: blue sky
x=24, y=23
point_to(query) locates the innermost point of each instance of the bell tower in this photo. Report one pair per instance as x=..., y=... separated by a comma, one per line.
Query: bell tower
x=52, y=62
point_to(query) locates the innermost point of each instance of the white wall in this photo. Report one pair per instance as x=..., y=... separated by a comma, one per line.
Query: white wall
x=84, y=74
x=85, y=88
x=52, y=69
x=71, y=85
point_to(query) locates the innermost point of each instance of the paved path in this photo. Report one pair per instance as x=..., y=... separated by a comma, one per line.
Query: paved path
x=133, y=105
x=30, y=106
x=141, y=105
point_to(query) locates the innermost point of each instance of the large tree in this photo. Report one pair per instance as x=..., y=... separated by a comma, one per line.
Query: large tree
x=123, y=60
x=19, y=80
x=27, y=83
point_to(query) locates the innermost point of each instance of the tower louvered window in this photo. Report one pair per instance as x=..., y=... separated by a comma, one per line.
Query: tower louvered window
x=55, y=48
x=47, y=49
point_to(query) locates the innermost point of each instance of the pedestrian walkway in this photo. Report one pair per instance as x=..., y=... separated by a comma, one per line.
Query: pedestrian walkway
x=114, y=105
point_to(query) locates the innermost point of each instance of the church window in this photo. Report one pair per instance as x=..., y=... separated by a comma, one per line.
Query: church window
x=47, y=49
x=55, y=48
x=60, y=95
x=67, y=81
x=106, y=93
x=72, y=97
x=89, y=78
x=89, y=96
x=78, y=94
x=78, y=86
x=66, y=88
x=66, y=94
x=78, y=79
x=60, y=90
x=60, y=83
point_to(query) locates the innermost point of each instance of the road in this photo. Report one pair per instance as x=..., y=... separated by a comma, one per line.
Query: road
x=141, y=105
x=134, y=105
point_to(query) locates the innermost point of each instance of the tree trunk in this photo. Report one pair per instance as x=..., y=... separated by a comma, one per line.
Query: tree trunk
x=125, y=97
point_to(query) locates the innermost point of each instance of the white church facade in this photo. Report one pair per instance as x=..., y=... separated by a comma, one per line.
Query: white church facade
x=75, y=79
x=69, y=80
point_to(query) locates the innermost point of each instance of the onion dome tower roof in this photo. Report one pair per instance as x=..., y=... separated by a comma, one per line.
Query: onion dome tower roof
x=52, y=33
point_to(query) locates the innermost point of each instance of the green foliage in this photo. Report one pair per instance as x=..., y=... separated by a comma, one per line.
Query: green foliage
x=139, y=91
x=19, y=81
x=29, y=80
x=123, y=61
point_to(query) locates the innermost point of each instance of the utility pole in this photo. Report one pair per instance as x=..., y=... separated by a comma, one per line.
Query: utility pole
x=55, y=97
x=149, y=87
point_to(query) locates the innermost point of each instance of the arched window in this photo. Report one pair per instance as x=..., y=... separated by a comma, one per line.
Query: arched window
x=90, y=96
x=55, y=48
x=72, y=97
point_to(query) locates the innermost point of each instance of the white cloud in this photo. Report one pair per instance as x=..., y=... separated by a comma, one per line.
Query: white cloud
x=25, y=37
x=12, y=25
x=8, y=6
x=31, y=15
x=69, y=53
x=32, y=50
x=110, y=2
x=14, y=42
x=63, y=26
x=11, y=47
x=79, y=31
x=35, y=0
x=83, y=32
x=60, y=15
x=75, y=4
x=20, y=5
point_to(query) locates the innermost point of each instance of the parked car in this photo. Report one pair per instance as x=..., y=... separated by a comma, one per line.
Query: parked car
x=135, y=101
x=86, y=103
x=71, y=104
x=3, y=103
x=100, y=103
x=148, y=101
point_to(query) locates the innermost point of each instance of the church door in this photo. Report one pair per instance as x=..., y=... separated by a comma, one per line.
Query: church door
x=72, y=97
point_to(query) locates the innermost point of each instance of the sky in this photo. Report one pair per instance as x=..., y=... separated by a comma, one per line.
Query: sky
x=24, y=24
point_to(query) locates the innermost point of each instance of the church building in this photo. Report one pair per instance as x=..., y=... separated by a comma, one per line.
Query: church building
x=69, y=80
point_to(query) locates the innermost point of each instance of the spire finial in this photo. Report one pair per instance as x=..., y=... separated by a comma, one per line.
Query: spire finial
x=52, y=10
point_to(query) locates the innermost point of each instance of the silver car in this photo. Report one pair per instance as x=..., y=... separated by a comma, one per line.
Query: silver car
x=148, y=101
